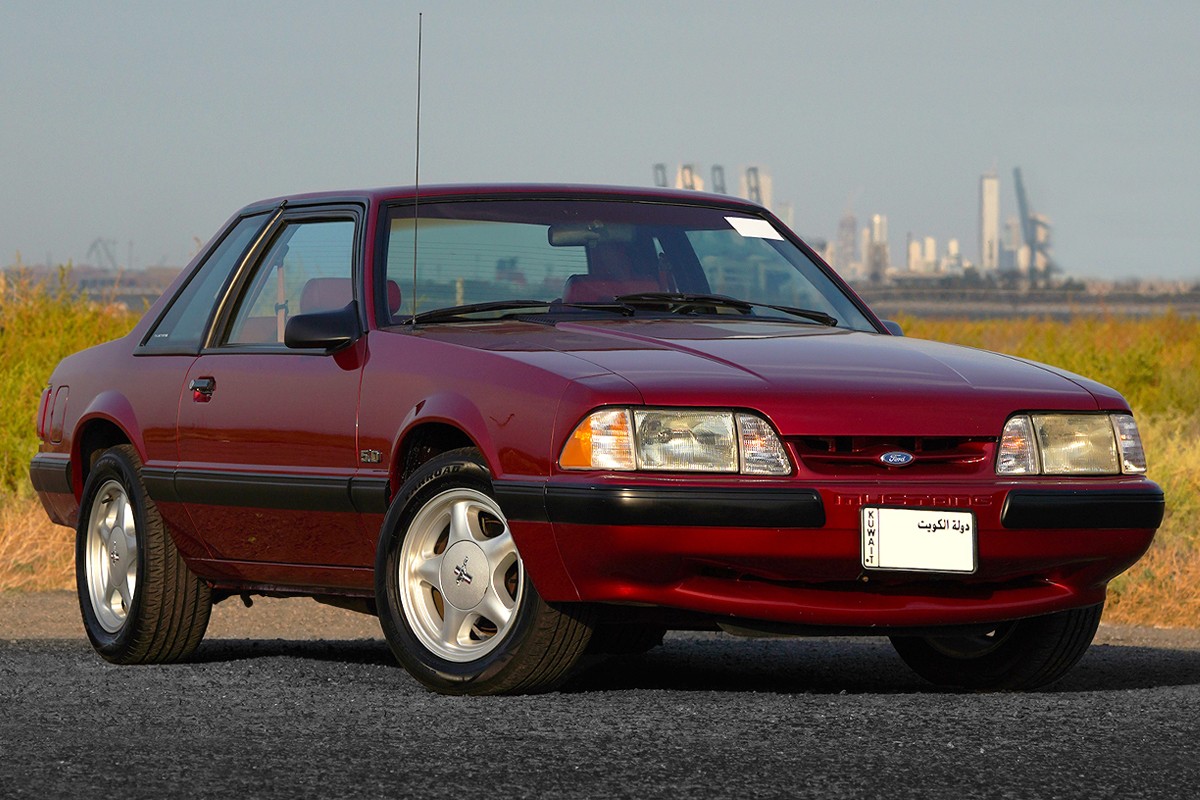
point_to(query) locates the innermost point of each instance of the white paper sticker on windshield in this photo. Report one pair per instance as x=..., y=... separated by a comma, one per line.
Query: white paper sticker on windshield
x=754, y=228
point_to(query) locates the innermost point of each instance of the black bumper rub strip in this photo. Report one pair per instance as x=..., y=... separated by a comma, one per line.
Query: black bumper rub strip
x=370, y=495
x=286, y=492
x=160, y=484
x=1032, y=508
x=525, y=501
x=50, y=473
x=686, y=506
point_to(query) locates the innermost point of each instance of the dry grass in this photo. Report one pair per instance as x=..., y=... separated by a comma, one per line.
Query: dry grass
x=35, y=554
x=1152, y=361
x=1163, y=589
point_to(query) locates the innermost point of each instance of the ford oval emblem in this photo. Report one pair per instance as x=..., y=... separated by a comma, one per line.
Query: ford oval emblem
x=897, y=458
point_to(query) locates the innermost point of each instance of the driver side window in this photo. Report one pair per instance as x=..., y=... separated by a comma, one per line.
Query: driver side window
x=309, y=267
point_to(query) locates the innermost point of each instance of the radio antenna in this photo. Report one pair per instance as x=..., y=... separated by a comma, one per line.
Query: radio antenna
x=417, y=177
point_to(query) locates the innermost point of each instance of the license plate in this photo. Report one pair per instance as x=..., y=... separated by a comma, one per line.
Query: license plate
x=918, y=540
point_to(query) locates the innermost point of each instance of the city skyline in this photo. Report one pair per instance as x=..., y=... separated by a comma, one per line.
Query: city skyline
x=867, y=252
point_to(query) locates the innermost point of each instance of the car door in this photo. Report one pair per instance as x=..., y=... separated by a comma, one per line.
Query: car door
x=267, y=433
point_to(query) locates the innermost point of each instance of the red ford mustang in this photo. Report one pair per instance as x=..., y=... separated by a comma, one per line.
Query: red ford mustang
x=524, y=423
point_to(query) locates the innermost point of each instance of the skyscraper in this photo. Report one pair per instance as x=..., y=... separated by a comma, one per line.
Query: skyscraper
x=989, y=220
x=847, y=247
x=876, y=249
x=879, y=229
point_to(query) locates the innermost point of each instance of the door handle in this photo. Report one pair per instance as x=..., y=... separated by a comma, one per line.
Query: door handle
x=202, y=389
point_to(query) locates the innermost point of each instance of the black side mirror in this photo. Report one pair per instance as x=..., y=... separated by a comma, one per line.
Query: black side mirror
x=323, y=330
x=893, y=327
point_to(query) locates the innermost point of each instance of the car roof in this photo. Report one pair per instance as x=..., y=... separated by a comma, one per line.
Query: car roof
x=500, y=190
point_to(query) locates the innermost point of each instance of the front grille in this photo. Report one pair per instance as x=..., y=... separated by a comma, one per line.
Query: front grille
x=852, y=456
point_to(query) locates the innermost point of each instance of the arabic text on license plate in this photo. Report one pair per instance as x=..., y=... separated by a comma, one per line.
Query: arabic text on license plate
x=917, y=539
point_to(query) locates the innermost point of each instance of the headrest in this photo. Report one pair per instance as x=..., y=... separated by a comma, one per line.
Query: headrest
x=325, y=294
x=394, y=297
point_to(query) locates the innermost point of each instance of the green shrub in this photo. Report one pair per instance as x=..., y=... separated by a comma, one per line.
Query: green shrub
x=41, y=324
x=1152, y=361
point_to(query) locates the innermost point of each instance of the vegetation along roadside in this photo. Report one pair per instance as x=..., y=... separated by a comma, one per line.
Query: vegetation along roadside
x=1150, y=360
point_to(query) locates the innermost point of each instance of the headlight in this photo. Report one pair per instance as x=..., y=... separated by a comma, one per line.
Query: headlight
x=675, y=440
x=1070, y=444
x=685, y=441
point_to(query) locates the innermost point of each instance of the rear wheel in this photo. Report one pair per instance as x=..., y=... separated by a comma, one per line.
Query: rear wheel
x=1023, y=654
x=455, y=602
x=140, y=602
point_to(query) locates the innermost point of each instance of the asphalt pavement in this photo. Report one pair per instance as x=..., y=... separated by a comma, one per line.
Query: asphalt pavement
x=293, y=699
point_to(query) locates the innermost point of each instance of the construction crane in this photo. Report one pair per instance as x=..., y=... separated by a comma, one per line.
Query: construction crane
x=753, y=185
x=687, y=177
x=102, y=250
x=660, y=175
x=1035, y=230
x=718, y=179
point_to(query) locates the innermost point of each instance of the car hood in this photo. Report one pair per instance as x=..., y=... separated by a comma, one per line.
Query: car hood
x=807, y=379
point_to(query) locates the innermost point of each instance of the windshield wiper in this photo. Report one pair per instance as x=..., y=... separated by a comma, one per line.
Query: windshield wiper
x=458, y=312
x=685, y=303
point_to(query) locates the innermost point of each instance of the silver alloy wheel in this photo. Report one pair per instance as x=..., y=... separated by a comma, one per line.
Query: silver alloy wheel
x=112, y=556
x=461, y=578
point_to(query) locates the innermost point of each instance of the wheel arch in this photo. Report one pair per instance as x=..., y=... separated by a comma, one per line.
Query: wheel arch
x=108, y=421
x=423, y=442
x=435, y=425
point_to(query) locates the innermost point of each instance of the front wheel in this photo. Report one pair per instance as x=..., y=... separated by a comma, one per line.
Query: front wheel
x=1023, y=654
x=455, y=602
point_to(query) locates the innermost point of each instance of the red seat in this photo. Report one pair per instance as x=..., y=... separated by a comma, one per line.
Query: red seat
x=592, y=289
x=611, y=273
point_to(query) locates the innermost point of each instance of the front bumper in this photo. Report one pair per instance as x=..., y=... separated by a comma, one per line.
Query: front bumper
x=790, y=554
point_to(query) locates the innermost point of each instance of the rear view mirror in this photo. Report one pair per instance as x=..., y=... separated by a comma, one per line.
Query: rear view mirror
x=579, y=234
x=323, y=330
x=571, y=235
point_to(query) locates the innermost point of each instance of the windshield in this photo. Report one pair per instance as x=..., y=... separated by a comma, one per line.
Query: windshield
x=576, y=253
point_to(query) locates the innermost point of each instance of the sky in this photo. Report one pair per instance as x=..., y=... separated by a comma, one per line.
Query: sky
x=149, y=124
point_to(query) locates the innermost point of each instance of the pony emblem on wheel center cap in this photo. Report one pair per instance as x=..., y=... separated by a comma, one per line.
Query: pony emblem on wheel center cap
x=458, y=585
x=897, y=458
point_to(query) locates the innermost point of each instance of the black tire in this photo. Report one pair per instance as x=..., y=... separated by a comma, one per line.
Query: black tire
x=459, y=627
x=155, y=615
x=1024, y=654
